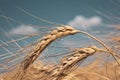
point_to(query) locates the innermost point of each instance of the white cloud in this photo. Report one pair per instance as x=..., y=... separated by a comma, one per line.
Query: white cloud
x=79, y=21
x=23, y=30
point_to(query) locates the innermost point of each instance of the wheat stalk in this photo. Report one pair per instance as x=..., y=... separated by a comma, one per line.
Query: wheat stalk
x=34, y=54
x=65, y=65
x=58, y=72
x=115, y=56
x=55, y=34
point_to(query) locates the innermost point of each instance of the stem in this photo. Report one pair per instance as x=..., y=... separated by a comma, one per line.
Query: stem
x=103, y=44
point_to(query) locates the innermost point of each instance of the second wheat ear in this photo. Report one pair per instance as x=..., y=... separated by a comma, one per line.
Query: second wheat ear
x=60, y=71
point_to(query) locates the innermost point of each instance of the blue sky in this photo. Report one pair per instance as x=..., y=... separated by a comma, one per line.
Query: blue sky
x=59, y=11
x=91, y=14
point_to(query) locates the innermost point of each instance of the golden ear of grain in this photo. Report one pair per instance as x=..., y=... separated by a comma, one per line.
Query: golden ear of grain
x=34, y=54
x=61, y=70
x=55, y=34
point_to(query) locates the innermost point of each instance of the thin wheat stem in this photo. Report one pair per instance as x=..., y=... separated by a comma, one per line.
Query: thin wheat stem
x=103, y=44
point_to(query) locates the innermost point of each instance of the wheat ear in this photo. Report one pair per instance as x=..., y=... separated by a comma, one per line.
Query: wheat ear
x=60, y=71
x=45, y=41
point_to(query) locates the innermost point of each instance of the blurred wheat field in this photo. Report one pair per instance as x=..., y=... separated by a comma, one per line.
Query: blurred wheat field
x=44, y=55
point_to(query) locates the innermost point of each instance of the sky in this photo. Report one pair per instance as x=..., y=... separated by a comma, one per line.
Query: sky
x=58, y=11
x=89, y=15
